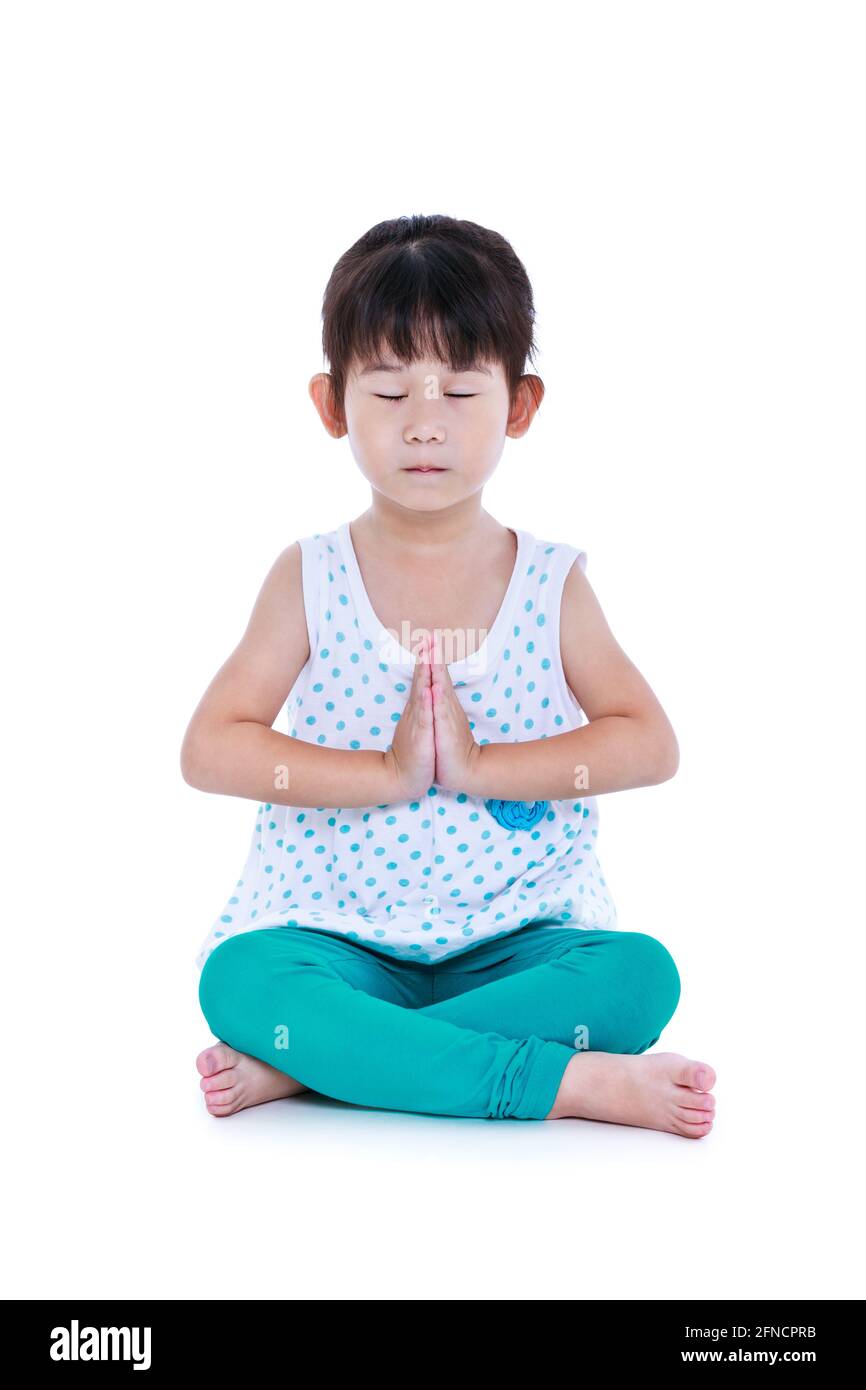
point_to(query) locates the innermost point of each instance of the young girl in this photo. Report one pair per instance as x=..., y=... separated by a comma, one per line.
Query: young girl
x=422, y=922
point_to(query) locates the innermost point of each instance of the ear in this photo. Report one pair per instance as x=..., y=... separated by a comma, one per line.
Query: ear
x=321, y=389
x=527, y=398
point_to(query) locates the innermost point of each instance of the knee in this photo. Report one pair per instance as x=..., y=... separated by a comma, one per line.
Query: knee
x=654, y=979
x=223, y=977
x=642, y=989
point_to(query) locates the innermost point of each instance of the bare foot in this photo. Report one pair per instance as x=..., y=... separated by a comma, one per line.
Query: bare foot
x=661, y=1091
x=232, y=1080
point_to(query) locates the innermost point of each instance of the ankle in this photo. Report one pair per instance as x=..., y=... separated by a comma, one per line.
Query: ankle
x=580, y=1072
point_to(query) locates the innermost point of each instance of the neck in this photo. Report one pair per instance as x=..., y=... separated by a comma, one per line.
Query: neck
x=400, y=529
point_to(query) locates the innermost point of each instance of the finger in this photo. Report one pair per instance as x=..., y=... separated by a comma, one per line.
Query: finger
x=422, y=662
x=440, y=679
x=437, y=665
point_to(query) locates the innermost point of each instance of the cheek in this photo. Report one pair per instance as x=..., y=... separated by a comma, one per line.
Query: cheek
x=490, y=413
x=485, y=430
x=370, y=431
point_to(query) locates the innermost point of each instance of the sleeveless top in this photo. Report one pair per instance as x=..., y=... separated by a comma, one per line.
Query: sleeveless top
x=429, y=878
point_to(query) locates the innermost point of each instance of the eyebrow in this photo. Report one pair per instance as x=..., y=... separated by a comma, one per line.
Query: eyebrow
x=400, y=367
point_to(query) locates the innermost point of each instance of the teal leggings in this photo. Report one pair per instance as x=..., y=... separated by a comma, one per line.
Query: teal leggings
x=485, y=1033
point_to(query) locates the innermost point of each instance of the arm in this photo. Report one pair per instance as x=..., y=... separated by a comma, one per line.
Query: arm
x=629, y=741
x=230, y=745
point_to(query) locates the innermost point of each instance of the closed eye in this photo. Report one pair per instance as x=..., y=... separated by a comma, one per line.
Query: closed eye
x=454, y=396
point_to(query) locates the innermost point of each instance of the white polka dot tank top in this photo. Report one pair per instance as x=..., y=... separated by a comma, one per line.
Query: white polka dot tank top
x=424, y=879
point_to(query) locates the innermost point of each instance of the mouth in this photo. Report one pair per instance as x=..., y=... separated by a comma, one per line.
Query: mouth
x=424, y=468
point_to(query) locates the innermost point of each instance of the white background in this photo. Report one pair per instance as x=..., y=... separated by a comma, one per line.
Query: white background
x=684, y=184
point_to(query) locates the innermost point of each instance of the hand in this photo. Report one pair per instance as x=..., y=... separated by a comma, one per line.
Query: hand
x=457, y=752
x=411, y=758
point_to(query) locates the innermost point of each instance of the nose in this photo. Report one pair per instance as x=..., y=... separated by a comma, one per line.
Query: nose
x=421, y=434
x=425, y=424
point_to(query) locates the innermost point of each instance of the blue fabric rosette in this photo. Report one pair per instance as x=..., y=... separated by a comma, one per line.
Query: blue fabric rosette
x=516, y=815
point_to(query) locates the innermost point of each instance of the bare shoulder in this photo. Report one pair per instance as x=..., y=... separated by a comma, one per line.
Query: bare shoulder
x=256, y=679
x=602, y=678
x=281, y=597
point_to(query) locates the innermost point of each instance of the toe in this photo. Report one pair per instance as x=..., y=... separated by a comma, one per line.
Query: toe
x=697, y=1075
x=222, y=1081
x=696, y=1100
x=220, y=1101
x=215, y=1058
x=694, y=1131
x=693, y=1117
x=206, y=1062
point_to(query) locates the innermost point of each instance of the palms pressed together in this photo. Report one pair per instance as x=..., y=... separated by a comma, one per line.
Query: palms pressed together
x=433, y=742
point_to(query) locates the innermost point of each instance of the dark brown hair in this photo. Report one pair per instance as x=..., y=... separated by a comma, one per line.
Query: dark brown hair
x=432, y=286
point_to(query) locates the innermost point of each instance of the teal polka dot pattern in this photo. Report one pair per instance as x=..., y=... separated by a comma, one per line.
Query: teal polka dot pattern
x=429, y=878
